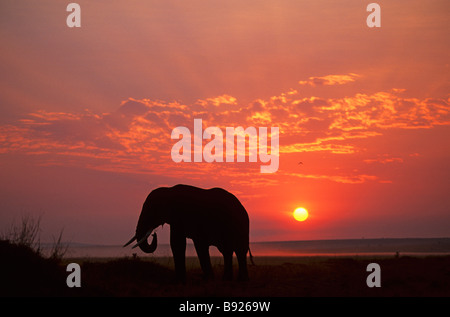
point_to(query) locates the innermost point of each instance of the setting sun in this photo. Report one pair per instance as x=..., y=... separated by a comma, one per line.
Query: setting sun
x=300, y=214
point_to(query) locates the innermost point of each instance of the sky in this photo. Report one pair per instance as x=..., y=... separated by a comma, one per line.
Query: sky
x=86, y=114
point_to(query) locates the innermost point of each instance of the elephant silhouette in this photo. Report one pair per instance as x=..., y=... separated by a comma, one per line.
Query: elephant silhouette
x=210, y=217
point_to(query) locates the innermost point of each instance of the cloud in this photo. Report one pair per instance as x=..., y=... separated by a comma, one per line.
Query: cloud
x=329, y=80
x=219, y=100
x=384, y=159
x=384, y=110
x=345, y=179
x=136, y=137
x=258, y=181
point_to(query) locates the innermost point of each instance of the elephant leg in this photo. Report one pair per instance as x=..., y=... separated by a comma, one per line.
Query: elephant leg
x=178, y=245
x=242, y=261
x=205, y=261
x=227, y=265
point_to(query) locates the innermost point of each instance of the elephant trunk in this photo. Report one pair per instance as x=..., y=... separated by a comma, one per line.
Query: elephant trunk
x=148, y=221
x=143, y=243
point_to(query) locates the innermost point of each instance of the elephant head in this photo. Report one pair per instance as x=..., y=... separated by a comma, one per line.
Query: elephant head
x=150, y=218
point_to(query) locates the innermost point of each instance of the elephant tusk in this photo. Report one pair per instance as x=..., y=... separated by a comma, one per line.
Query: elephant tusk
x=139, y=242
x=143, y=239
x=129, y=242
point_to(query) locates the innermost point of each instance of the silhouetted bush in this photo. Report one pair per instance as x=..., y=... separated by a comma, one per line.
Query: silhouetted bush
x=26, y=273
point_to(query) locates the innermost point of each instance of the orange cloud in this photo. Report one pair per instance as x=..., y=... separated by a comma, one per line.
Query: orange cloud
x=252, y=180
x=136, y=137
x=385, y=110
x=351, y=179
x=385, y=160
x=330, y=80
x=220, y=100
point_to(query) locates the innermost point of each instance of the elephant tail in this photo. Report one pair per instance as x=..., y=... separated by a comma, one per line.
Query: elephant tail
x=251, y=256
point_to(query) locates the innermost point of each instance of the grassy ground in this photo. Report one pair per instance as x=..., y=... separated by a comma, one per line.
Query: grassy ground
x=272, y=277
x=26, y=273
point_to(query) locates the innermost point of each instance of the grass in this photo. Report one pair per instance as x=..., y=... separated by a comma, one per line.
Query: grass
x=26, y=272
x=272, y=277
x=27, y=234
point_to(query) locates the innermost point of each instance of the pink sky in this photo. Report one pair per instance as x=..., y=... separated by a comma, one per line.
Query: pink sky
x=87, y=114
